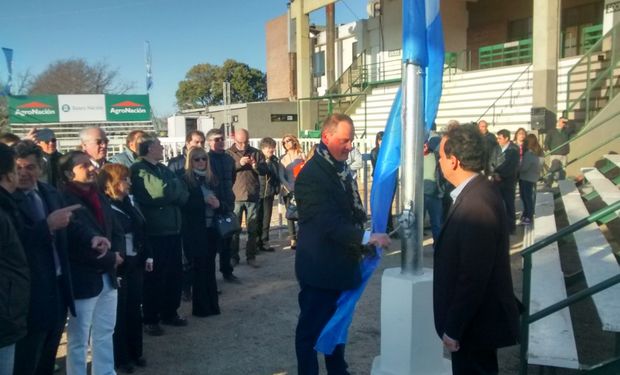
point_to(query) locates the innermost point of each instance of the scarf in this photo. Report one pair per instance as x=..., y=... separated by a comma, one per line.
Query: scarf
x=91, y=197
x=348, y=183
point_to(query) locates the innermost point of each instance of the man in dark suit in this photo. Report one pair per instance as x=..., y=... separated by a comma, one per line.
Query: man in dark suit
x=505, y=174
x=45, y=237
x=330, y=242
x=474, y=305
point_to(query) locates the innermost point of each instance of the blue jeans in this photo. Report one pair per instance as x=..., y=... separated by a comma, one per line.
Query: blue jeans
x=250, y=220
x=434, y=207
x=7, y=358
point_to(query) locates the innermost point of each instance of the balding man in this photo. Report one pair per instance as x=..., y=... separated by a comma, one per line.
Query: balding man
x=94, y=143
x=246, y=189
x=330, y=242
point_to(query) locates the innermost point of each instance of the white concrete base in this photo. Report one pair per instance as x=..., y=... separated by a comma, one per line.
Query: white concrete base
x=409, y=343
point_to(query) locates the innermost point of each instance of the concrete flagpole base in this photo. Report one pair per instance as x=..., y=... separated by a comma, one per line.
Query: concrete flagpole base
x=409, y=343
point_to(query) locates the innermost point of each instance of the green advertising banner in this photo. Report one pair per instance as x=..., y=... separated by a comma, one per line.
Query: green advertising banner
x=127, y=108
x=33, y=109
x=78, y=108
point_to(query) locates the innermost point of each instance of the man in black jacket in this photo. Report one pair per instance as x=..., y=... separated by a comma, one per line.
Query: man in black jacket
x=330, y=242
x=269, y=179
x=14, y=271
x=45, y=235
x=556, y=141
x=223, y=167
x=505, y=174
x=195, y=138
x=474, y=305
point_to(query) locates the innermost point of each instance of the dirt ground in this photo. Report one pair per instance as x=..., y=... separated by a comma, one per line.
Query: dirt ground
x=256, y=331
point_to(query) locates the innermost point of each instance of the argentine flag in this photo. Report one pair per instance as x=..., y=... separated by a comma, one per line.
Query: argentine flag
x=422, y=45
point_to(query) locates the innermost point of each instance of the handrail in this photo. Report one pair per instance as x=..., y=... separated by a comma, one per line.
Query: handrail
x=355, y=64
x=505, y=91
x=586, y=58
x=527, y=253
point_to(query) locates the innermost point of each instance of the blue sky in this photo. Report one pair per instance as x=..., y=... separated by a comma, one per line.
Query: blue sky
x=182, y=33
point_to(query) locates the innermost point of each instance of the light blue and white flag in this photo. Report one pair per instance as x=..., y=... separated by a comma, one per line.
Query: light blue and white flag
x=147, y=62
x=423, y=45
x=8, y=54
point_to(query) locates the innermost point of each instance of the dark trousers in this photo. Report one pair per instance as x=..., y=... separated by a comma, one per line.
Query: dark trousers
x=36, y=352
x=128, y=329
x=263, y=219
x=162, y=286
x=433, y=206
x=316, y=308
x=204, y=296
x=251, y=223
x=290, y=224
x=526, y=190
x=223, y=248
x=508, y=196
x=474, y=362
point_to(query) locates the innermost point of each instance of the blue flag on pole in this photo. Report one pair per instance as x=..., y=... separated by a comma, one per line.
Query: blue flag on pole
x=147, y=62
x=8, y=55
x=423, y=45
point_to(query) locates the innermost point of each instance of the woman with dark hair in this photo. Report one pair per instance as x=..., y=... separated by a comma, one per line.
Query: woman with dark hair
x=93, y=274
x=519, y=139
x=374, y=153
x=114, y=180
x=199, y=236
x=288, y=163
x=529, y=173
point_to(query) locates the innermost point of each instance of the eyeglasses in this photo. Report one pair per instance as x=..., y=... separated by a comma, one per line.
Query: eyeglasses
x=201, y=158
x=100, y=142
x=218, y=139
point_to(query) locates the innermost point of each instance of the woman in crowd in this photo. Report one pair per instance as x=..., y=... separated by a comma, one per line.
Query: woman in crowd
x=374, y=153
x=519, y=139
x=115, y=181
x=291, y=159
x=199, y=236
x=529, y=173
x=93, y=274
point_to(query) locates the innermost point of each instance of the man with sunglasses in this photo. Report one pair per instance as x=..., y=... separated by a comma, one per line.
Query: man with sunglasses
x=223, y=166
x=95, y=144
x=46, y=140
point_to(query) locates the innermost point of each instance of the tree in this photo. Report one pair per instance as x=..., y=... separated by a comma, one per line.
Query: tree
x=202, y=85
x=19, y=87
x=76, y=76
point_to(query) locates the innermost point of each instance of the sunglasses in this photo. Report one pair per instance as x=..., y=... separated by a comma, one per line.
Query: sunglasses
x=201, y=158
x=287, y=140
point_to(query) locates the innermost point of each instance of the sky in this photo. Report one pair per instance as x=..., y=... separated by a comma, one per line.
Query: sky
x=182, y=33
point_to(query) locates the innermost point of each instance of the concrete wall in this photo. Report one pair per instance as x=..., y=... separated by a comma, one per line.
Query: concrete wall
x=256, y=118
x=278, y=77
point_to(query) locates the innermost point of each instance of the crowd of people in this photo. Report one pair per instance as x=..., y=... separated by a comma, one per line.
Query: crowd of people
x=110, y=246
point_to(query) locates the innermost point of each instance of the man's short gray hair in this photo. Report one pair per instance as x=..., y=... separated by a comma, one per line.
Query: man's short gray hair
x=84, y=133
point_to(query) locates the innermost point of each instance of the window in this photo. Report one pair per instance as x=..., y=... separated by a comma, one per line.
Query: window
x=318, y=64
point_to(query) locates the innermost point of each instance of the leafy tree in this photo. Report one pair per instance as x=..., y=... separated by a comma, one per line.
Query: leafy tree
x=203, y=83
x=76, y=76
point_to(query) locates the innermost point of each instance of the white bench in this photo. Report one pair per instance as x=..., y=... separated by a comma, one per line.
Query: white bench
x=606, y=189
x=551, y=339
x=614, y=158
x=597, y=259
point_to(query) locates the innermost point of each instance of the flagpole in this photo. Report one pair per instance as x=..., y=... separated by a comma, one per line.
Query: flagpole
x=412, y=189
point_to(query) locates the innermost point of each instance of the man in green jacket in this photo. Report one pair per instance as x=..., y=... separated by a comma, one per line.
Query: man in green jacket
x=159, y=194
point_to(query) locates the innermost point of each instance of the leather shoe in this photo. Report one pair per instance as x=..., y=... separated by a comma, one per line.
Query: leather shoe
x=232, y=279
x=252, y=263
x=177, y=321
x=153, y=330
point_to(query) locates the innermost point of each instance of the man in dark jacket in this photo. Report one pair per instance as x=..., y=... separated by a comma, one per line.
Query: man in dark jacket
x=246, y=189
x=474, y=305
x=269, y=178
x=46, y=139
x=556, y=141
x=331, y=235
x=505, y=174
x=14, y=271
x=160, y=195
x=45, y=234
x=195, y=138
x=223, y=167
x=490, y=145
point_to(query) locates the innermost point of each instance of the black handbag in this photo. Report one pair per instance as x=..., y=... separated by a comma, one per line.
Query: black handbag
x=291, y=208
x=227, y=225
